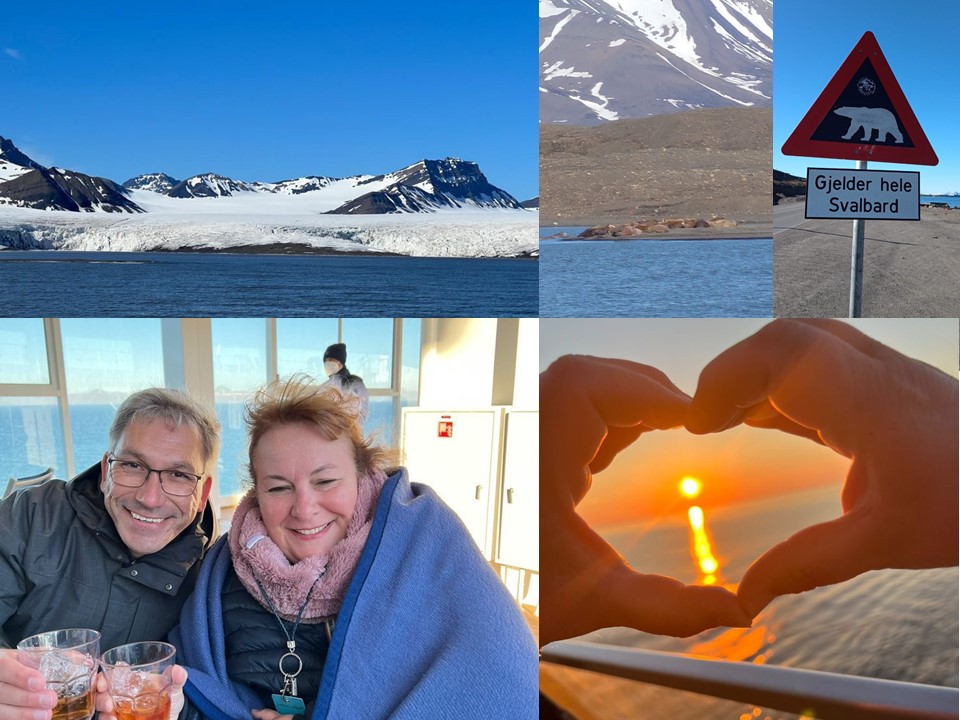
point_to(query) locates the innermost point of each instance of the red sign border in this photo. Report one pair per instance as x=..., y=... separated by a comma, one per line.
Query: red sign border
x=801, y=142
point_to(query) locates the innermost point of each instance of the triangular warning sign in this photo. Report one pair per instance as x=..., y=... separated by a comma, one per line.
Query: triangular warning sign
x=862, y=114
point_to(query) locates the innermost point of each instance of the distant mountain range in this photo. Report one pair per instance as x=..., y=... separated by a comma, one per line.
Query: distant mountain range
x=424, y=187
x=606, y=60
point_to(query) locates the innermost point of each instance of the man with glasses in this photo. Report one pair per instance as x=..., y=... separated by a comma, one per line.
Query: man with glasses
x=115, y=549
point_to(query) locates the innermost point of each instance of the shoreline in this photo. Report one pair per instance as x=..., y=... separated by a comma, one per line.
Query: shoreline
x=746, y=230
x=273, y=250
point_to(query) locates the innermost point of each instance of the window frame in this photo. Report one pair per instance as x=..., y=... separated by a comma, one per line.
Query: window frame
x=188, y=364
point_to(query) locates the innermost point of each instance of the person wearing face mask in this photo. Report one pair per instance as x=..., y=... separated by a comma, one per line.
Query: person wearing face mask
x=335, y=366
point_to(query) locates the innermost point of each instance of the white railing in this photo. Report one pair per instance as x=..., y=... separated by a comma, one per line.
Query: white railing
x=818, y=694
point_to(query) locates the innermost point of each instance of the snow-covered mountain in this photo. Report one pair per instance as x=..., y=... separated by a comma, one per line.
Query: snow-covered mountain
x=609, y=59
x=154, y=182
x=209, y=185
x=428, y=185
x=297, y=186
x=449, y=209
x=58, y=189
x=425, y=186
x=28, y=184
x=14, y=163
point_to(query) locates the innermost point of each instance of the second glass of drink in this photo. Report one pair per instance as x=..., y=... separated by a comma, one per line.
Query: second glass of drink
x=139, y=679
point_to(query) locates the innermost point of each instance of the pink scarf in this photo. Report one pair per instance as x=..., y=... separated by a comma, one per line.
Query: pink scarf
x=257, y=557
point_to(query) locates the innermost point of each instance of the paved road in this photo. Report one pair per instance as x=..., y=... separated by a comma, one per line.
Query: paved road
x=911, y=269
x=787, y=216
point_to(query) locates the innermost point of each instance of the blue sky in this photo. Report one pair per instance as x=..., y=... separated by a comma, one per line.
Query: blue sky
x=812, y=38
x=274, y=90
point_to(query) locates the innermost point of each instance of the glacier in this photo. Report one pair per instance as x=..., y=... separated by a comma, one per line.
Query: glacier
x=251, y=220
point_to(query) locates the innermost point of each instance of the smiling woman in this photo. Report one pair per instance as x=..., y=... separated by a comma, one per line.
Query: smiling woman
x=292, y=600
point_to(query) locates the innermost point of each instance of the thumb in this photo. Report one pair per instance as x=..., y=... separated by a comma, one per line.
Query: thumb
x=819, y=555
x=178, y=675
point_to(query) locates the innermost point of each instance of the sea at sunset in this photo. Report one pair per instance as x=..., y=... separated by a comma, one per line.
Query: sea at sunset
x=891, y=624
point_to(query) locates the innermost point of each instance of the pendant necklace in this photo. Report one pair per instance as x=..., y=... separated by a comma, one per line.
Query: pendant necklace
x=287, y=702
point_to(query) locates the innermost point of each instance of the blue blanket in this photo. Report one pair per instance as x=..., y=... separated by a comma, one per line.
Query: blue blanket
x=426, y=629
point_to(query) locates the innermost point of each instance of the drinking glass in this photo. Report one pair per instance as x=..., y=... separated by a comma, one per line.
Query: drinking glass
x=68, y=661
x=139, y=679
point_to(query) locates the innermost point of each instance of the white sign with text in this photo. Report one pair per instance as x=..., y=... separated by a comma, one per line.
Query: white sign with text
x=837, y=193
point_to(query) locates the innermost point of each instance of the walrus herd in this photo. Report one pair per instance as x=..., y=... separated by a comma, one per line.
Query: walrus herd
x=645, y=227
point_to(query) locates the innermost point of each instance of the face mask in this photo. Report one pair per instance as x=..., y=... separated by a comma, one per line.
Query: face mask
x=330, y=367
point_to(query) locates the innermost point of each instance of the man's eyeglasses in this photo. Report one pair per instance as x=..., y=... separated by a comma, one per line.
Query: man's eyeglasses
x=131, y=473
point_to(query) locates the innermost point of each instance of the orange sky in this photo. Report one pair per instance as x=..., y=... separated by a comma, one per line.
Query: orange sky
x=736, y=466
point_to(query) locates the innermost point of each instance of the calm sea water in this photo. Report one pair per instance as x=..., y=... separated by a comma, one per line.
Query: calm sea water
x=952, y=201
x=655, y=278
x=89, y=284
x=892, y=624
x=30, y=439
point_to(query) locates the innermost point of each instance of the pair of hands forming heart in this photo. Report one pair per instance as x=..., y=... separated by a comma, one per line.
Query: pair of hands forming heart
x=895, y=418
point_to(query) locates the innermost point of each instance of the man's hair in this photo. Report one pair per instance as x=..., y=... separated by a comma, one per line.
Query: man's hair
x=177, y=409
x=300, y=400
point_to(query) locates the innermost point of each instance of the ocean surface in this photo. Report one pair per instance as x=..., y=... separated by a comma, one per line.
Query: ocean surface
x=892, y=624
x=952, y=201
x=89, y=425
x=58, y=283
x=654, y=278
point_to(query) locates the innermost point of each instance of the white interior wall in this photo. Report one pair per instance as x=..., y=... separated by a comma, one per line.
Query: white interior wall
x=526, y=384
x=457, y=363
x=475, y=363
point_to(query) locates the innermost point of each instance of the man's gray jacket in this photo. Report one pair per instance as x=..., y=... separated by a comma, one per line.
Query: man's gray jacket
x=63, y=565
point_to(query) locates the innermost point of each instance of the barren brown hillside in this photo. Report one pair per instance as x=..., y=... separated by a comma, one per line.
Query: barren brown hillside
x=700, y=163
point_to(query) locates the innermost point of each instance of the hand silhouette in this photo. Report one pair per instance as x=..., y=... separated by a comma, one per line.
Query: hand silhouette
x=894, y=417
x=590, y=409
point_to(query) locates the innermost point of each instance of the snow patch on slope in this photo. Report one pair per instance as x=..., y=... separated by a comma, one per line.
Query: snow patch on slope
x=557, y=28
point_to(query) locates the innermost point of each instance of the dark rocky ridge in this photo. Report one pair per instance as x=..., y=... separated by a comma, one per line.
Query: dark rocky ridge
x=787, y=186
x=155, y=182
x=396, y=199
x=428, y=185
x=207, y=185
x=10, y=153
x=56, y=189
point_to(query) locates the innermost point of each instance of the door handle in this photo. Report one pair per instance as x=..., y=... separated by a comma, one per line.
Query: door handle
x=479, y=490
x=510, y=496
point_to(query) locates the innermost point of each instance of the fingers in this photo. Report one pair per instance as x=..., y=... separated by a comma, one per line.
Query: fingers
x=103, y=702
x=617, y=439
x=821, y=376
x=665, y=606
x=586, y=585
x=581, y=399
x=819, y=555
x=23, y=693
x=268, y=715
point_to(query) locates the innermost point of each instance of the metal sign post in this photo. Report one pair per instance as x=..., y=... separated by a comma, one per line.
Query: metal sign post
x=862, y=99
x=856, y=260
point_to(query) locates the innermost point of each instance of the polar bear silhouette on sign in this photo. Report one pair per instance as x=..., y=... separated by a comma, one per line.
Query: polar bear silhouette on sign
x=870, y=119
